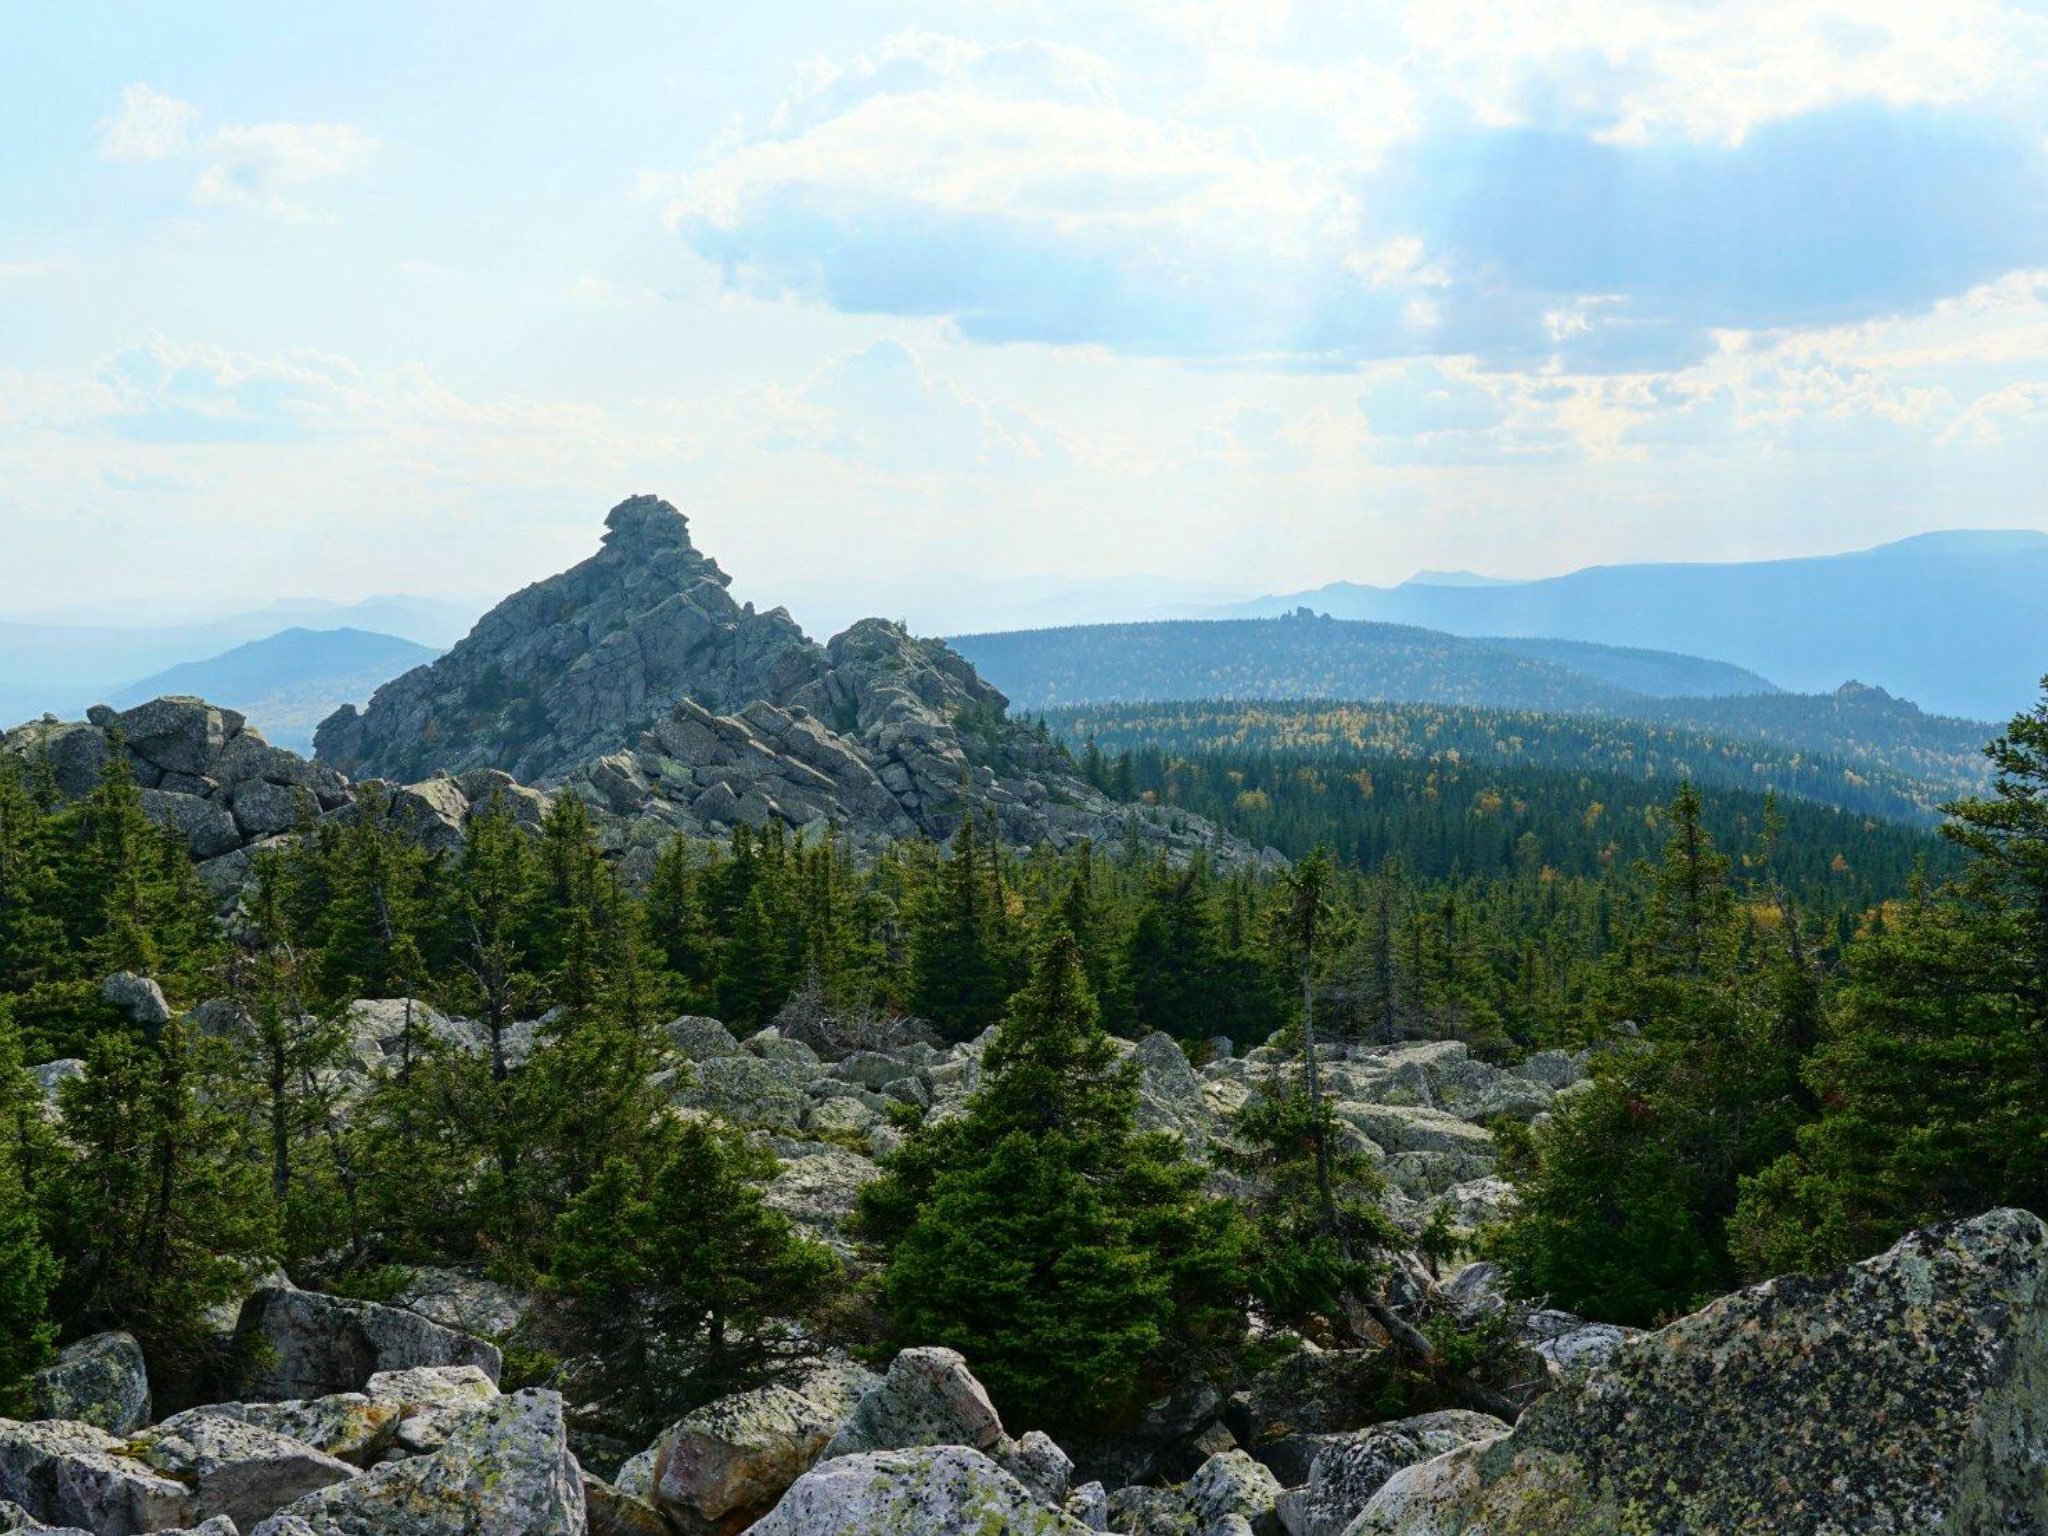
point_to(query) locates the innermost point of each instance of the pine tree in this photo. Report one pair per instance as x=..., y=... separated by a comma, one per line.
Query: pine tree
x=164, y=1207
x=1039, y=1233
x=28, y=1270
x=959, y=975
x=679, y=1281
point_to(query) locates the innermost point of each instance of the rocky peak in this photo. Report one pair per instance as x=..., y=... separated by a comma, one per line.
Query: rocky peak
x=578, y=665
x=646, y=523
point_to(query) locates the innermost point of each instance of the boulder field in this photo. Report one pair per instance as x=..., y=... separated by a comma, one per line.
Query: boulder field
x=1907, y=1395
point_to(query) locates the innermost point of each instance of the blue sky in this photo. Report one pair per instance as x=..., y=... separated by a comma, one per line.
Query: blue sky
x=914, y=306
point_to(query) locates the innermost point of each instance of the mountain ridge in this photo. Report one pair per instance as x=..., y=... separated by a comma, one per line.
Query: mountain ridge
x=1955, y=619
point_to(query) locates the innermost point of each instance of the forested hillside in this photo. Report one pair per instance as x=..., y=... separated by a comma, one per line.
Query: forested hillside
x=1304, y=656
x=1741, y=755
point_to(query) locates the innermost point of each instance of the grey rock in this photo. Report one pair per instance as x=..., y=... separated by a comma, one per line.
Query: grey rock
x=1352, y=1468
x=1089, y=1504
x=308, y=1344
x=140, y=1000
x=505, y=1471
x=701, y=1039
x=1228, y=1484
x=1040, y=1465
x=1142, y=1511
x=207, y=826
x=466, y=1302
x=178, y=734
x=1906, y=1394
x=235, y=1468
x=345, y=1425
x=636, y=1475
x=69, y=1474
x=431, y=1401
x=941, y=1490
x=102, y=1381
x=735, y=1457
x=928, y=1397
x=611, y=1511
x=746, y=1091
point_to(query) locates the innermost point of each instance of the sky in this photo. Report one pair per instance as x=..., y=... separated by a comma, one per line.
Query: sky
x=930, y=309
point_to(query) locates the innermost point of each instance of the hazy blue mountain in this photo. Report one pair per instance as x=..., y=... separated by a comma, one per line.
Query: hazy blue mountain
x=289, y=682
x=1662, y=674
x=1957, y=621
x=1308, y=657
x=61, y=660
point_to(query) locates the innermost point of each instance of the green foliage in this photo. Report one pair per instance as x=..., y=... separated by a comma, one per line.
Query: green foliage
x=1043, y=1236
x=1929, y=1076
x=1626, y=1193
x=679, y=1280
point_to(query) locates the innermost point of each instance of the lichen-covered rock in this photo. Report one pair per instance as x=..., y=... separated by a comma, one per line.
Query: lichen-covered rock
x=929, y=1397
x=1040, y=1465
x=1350, y=1469
x=940, y=1490
x=700, y=1039
x=1907, y=1394
x=747, y=1091
x=611, y=1511
x=345, y=1425
x=102, y=1380
x=466, y=1302
x=1142, y=1511
x=1231, y=1483
x=818, y=1186
x=235, y=1468
x=430, y=1401
x=1584, y=1348
x=505, y=1471
x=738, y=1454
x=300, y=1344
x=1089, y=1504
x=70, y=1474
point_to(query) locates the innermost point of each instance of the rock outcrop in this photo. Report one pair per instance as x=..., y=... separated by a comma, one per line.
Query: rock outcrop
x=102, y=1380
x=205, y=772
x=505, y=1471
x=579, y=664
x=635, y=681
x=307, y=1344
x=945, y=1490
x=1906, y=1394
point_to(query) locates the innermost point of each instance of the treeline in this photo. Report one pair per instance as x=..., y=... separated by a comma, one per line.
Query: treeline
x=1656, y=756
x=1782, y=1113
x=1446, y=817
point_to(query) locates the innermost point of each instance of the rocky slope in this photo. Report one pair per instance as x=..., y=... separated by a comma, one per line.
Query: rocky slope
x=579, y=664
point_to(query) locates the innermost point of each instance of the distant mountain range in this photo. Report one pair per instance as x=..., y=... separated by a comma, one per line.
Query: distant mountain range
x=1303, y=656
x=1956, y=621
x=288, y=683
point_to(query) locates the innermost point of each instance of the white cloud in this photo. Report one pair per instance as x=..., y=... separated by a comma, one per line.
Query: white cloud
x=253, y=165
x=883, y=407
x=257, y=165
x=149, y=126
x=1633, y=71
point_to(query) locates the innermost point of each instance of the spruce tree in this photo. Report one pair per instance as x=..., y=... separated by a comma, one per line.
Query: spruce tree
x=959, y=973
x=1068, y=1256
x=678, y=1280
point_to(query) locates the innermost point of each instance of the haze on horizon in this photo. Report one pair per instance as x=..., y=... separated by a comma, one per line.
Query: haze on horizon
x=1228, y=295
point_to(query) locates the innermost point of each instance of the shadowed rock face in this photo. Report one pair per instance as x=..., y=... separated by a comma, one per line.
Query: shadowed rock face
x=579, y=664
x=1906, y=1394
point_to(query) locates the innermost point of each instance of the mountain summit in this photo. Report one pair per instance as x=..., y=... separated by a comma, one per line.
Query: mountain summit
x=634, y=681
x=579, y=664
